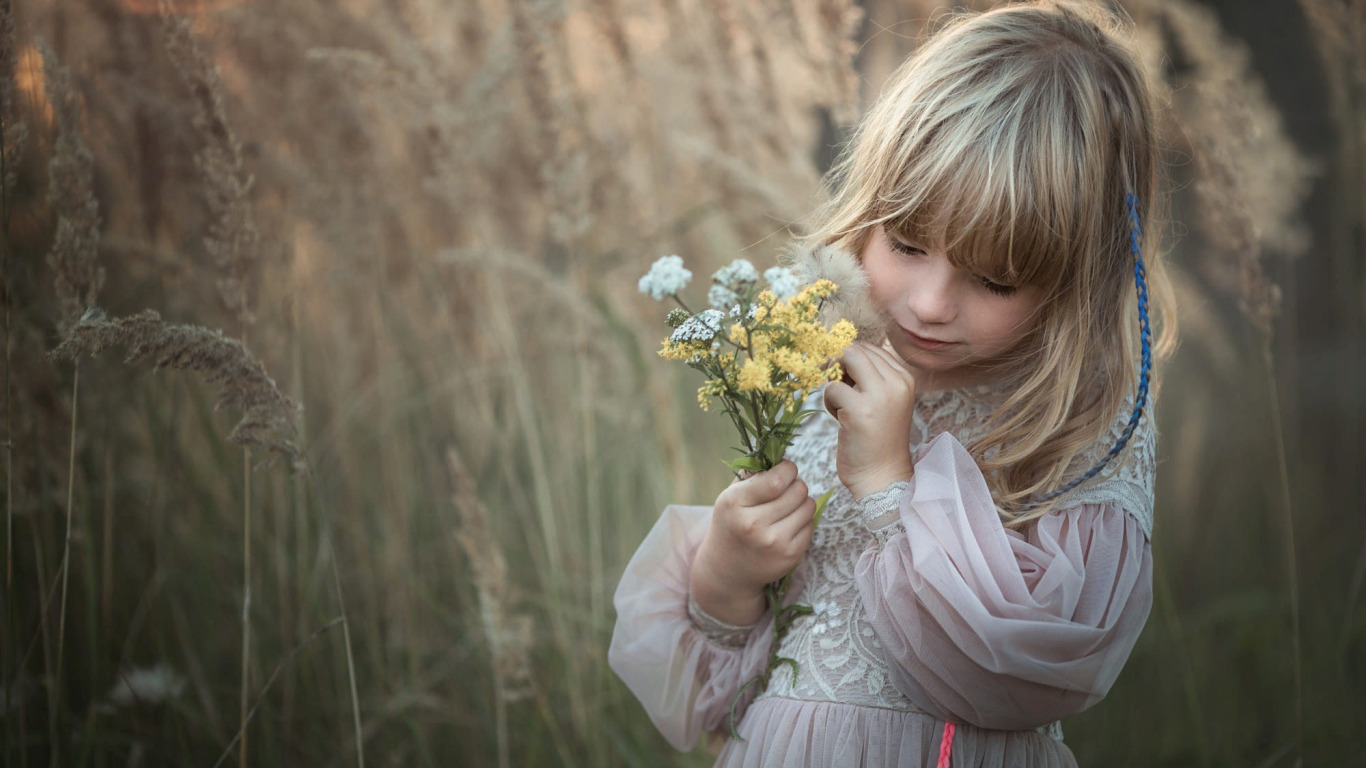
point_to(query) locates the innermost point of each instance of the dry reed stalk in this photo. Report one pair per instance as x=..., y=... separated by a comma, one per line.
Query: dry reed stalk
x=844, y=18
x=1251, y=178
x=587, y=423
x=1339, y=27
x=12, y=135
x=240, y=378
x=45, y=624
x=78, y=277
x=75, y=245
x=509, y=635
x=270, y=681
x=1340, y=30
x=1251, y=182
x=233, y=241
x=563, y=145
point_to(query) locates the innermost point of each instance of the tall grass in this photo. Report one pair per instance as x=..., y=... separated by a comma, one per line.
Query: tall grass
x=435, y=214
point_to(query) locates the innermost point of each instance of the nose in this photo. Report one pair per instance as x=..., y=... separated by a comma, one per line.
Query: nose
x=933, y=295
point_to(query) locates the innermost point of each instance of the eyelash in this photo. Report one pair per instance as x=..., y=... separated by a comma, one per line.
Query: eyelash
x=997, y=288
x=910, y=250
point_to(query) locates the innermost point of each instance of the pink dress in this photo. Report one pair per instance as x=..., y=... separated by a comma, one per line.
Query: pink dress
x=926, y=611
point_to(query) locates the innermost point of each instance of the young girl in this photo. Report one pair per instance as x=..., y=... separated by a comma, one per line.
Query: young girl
x=983, y=567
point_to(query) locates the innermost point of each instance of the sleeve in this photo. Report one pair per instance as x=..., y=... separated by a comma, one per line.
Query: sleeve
x=685, y=677
x=993, y=627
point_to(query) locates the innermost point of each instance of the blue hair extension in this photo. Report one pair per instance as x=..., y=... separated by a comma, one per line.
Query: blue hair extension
x=1144, y=369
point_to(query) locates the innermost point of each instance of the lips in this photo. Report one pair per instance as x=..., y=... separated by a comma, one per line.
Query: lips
x=926, y=343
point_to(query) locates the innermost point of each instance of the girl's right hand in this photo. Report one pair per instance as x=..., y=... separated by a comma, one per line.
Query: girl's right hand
x=760, y=529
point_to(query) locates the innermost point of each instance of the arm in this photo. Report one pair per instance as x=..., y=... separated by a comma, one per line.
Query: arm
x=691, y=620
x=993, y=627
x=684, y=679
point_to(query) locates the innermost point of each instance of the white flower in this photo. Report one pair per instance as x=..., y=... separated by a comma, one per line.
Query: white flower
x=722, y=297
x=700, y=327
x=735, y=311
x=784, y=284
x=665, y=278
x=735, y=275
x=146, y=686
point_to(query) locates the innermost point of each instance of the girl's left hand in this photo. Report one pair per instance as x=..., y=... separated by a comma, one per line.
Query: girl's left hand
x=874, y=414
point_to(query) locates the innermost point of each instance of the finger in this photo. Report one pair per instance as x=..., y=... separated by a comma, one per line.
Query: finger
x=858, y=363
x=892, y=366
x=837, y=395
x=769, y=484
x=797, y=523
x=783, y=506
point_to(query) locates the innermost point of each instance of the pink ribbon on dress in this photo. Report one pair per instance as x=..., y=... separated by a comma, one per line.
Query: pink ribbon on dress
x=945, y=746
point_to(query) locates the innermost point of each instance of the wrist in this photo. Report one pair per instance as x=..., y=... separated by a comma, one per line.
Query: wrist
x=880, y=511
x=877, y=480
x=724, y=600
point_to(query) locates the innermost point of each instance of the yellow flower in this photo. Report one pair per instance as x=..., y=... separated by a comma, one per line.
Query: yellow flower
x=683, y=350
x=800, y=367
x=756, y=375
x=709, y=390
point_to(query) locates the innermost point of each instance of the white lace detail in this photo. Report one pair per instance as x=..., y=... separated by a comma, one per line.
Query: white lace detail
x=718, y=632
x=837, y=652
x=880, y=511
x=1128, y=480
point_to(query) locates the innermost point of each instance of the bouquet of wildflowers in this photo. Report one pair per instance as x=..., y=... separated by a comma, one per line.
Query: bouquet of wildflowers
x=763, y=351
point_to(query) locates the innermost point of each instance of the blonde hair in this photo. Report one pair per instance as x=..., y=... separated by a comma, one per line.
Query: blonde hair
x=1012, y=138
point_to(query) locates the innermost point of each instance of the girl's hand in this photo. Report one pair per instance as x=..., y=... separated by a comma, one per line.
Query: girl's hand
x=760, y=529
x=875, y=419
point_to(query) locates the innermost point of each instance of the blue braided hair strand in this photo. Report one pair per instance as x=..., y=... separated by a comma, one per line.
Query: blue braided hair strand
x=1144, y=370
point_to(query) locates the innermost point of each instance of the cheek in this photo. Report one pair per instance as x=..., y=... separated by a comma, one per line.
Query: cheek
x=1019, y=322
x=882, y=279
x=1002, y=327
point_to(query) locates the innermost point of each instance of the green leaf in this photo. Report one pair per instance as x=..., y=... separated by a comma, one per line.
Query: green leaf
x=821, y=501
x=750, y=463
x=773, y=451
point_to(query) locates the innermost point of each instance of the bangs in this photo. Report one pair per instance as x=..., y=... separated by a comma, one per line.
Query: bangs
x=995, y=180
x=992, y=231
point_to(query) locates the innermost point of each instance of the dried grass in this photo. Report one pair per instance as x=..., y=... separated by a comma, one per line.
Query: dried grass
x=75, y=245
x=233, y=240
x=240, y=379
x=1250, y=178
x=509, y=635
x=410, y=157
x=13, y=132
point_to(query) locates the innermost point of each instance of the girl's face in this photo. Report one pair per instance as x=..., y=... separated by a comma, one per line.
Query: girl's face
x=952, y=327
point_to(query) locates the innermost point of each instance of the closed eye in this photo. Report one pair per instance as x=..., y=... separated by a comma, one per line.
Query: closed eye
x=998, y=288
x=900, y=247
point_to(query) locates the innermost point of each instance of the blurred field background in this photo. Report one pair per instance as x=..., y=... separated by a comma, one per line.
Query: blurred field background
x=422, y=222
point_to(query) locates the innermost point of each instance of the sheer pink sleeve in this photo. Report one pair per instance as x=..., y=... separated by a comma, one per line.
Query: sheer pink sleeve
x=993, y=627
x=685, y=677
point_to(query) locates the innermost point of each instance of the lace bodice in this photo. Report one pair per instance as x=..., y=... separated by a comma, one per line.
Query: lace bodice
x=838, y=653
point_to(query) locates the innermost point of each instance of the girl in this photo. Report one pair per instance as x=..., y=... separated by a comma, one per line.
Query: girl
x=983, y=568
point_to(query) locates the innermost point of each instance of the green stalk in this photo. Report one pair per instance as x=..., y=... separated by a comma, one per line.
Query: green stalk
x=246, y=597
x=1291, y=569
x=246, y=590
x=56, y=695
x=9, y=425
